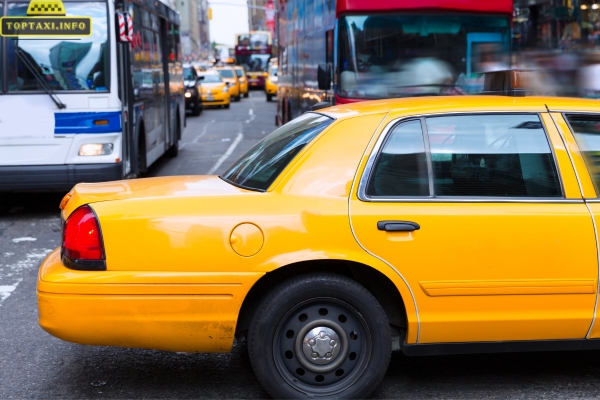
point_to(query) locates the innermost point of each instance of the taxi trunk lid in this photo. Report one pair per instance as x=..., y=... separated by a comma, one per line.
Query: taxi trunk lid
x=171, y=186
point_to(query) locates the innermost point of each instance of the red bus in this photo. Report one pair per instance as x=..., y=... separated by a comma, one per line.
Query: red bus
x=253, y=51
x=353, y=50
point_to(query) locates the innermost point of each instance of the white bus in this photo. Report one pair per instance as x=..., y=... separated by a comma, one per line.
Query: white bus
x=94, y=108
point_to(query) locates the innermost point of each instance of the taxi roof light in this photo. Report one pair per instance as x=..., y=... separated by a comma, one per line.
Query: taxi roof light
x=506, y=82
x=82, y=239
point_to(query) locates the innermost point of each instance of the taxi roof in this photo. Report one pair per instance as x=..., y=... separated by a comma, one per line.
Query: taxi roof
x=445, y=104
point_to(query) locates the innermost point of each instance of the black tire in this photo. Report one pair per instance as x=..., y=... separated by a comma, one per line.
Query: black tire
x=226, y=106
x=269, y=97
x=238, y=97
x=173, y=151
x=349, y=318
x=141, y=156
x=197, y=109
x=247, y=94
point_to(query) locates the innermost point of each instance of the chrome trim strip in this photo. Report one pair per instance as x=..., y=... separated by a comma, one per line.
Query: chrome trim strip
x=598, y=275
x=467, y=200
x=364, y=248
x=364, y=179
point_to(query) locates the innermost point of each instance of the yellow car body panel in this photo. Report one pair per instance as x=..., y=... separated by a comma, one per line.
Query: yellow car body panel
x=475, y=272
x=213, y=94
x=243, y=80
x=270, y=87
x=234, y=83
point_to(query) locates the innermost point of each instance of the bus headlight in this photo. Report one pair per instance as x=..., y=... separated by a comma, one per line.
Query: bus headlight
x=96, y=149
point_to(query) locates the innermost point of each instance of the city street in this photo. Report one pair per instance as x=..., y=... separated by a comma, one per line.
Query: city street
x=37, y=365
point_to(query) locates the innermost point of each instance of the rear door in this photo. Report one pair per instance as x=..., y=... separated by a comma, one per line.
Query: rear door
x=482, y=216
x=582, y=134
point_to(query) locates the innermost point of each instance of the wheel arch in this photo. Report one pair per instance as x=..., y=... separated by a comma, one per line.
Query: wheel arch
x=376, y=282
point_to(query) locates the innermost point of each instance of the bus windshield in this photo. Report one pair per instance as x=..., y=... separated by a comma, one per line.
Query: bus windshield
x=254, y=62
x=405, y=55
x=65, y=64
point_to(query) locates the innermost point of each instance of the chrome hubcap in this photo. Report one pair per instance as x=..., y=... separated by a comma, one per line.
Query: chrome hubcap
x=321, y=345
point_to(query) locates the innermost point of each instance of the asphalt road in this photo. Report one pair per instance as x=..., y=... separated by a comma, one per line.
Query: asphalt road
x=34, y=364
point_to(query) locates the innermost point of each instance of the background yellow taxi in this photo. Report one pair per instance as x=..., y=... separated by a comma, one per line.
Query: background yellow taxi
x=425, y=225
x=230, y=77
x=215, y=91
x=271, y=83
x=241, y=74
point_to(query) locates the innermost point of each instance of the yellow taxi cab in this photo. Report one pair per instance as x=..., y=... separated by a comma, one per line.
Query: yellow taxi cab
x=215, y=92
x=241, y=74
x=230, y=77
x=431, y=225
x=271, y=82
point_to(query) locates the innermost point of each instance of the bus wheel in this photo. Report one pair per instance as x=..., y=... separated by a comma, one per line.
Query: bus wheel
x=173, y=151
x=141, y=156
x=319, y=335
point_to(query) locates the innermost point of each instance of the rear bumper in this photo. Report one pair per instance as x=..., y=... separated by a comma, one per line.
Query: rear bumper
x=56, y=177
x=163, y=310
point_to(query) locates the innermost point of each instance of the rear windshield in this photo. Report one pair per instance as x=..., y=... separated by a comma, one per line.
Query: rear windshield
x=226, y=73
x=260, y=166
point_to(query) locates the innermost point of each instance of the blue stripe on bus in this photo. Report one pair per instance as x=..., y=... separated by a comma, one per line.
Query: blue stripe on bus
x=83, y=122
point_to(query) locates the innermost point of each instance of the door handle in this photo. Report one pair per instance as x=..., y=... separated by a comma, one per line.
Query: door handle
x=398, y=226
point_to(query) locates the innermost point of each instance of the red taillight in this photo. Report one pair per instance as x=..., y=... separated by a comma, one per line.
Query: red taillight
x=81, y=237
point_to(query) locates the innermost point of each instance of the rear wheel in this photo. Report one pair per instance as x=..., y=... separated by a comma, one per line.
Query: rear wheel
x=173, y=151
x=319, y=335
x=238, y=97
x=269, y=97
x=246, y=94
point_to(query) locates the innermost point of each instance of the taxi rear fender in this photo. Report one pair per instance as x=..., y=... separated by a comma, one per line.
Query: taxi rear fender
x=381, y=286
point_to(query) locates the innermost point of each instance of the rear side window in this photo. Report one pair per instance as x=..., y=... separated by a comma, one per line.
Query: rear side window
x=262, y=164
x=586, y=129
x=469, y=156
x=401, y=167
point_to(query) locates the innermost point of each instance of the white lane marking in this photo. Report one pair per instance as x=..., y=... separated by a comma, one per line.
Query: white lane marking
x=252, y=116
x=24, y=239
x=202, y=134
x=224, y=157
x=226, y=139
x=15, y=271
x=6, y=290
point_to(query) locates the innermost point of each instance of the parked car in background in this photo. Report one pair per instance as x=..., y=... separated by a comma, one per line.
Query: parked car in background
x=241, y=74
x=271, y=82
x=215, y=92
x=230, y=77
x=193, y=89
